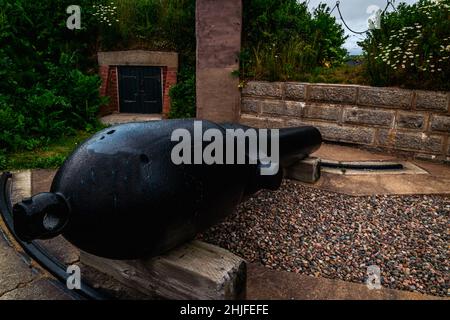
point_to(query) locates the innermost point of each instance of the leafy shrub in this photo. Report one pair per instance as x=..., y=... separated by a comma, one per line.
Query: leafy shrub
x=153, y=25
x=3, y=161
x=182, y=95
x=282, y=40
x=340, y=74
x=44, y=93
x=412, y=48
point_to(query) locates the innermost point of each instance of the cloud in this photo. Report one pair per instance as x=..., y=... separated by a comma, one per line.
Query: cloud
x=356, y=16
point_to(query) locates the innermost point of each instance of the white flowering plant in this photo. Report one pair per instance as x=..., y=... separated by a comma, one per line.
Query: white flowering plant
x=105, y=13
x=412, y=48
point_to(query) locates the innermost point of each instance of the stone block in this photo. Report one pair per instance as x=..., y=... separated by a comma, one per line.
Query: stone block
x=359, y=135
x=368, y=116
x=410, y=120
x=295, y=91
x=411, y=141
x=430, y=100
x=273, y=107
x=337, y=94
x=251, y=105
x=263, y=89
x=322, y=111
x=440, y=123
x=252, y=121
x=385, y=97
x=294, y=108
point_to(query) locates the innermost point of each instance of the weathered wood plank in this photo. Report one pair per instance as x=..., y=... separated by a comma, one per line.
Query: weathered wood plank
x=21, y=187
x=196, y=270
x=307, y=170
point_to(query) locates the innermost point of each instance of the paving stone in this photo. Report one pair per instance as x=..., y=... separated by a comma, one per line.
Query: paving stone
x=13, y=269
x=265, y=283
x=41, y=289
x=118, y=118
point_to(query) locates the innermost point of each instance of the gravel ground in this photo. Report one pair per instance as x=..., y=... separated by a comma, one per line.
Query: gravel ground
x=325, y=234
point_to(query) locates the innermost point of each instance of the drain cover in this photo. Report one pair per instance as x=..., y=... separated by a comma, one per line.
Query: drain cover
x=370, y=167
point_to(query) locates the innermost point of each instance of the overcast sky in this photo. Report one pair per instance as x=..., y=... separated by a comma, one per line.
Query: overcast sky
x=355, y=14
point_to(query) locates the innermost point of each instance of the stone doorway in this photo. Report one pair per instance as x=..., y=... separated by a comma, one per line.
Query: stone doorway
x=147, y=68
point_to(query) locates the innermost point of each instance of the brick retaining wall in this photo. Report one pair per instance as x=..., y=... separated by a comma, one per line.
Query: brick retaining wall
x=413, y=122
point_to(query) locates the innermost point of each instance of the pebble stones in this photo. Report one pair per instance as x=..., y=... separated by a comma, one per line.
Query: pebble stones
x=305, y=230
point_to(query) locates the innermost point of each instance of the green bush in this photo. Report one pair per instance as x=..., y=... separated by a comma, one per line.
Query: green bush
x=182, y=95
x=412, y=48
x=282, y=40
x=45, y=90
x=152, y=25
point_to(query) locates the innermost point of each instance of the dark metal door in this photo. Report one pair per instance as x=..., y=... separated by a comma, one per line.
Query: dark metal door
x=140, y=89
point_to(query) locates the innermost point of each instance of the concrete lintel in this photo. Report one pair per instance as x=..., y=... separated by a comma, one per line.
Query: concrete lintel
x=138, y=58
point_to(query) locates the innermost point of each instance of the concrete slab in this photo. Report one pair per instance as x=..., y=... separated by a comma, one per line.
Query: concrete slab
x=118, y=118
x=423, y=177
x=14, y=271
x=42, y=289
x=364, y=185
x=21, y=185
x=347, y=153
x=267, y=284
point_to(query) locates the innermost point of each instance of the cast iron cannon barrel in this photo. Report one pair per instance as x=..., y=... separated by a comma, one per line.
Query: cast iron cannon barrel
x=121, y=195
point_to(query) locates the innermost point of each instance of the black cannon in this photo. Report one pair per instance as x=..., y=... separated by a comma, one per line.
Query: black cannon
x=121, y=195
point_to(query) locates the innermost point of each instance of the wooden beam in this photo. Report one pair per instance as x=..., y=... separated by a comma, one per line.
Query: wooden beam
x=21, y=185
x=307, y=170
x=196, y=270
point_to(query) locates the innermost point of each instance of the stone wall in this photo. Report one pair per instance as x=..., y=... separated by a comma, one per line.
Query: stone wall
x=416, y=123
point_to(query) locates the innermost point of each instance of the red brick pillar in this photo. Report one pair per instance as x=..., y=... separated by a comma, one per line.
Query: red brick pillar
x=170, y=79
x=218, y=25
x=109, y=88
